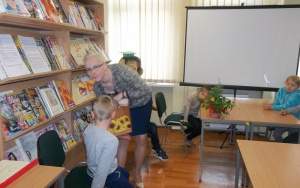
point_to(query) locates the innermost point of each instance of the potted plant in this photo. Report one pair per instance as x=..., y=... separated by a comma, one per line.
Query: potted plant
x=216, y=103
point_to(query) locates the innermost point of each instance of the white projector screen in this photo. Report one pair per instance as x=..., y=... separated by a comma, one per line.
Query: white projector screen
x=242, y=47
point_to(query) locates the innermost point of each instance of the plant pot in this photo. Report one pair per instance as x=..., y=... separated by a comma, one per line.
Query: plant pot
x=213, y=113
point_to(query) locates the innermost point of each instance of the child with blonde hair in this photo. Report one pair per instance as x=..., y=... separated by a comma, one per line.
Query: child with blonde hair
x=287, y=97
x=101, y=147
x=190, y=113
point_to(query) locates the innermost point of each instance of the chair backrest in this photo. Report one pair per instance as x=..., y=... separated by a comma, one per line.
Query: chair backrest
x=160, y=103
x=50, y=150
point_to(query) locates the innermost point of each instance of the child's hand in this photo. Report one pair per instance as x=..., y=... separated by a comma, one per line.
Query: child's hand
x=283, y=112
x=183, y=121
x=268, y=107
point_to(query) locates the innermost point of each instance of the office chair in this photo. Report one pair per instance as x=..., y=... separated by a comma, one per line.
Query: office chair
x=51, y=153
x=170, y=120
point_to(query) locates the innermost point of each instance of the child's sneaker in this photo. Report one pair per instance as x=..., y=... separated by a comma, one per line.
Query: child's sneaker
x=161, y=154
x=189, y=142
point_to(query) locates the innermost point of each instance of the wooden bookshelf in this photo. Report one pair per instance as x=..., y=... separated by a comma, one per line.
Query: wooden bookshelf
x=33, y=27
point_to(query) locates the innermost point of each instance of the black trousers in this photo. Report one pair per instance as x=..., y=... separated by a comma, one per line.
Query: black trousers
x=195, y=129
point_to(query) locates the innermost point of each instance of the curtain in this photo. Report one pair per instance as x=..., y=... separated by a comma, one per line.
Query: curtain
x=155, y=31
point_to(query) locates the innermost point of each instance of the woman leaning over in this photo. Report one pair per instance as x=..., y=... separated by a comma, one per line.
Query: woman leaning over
x=120, y=82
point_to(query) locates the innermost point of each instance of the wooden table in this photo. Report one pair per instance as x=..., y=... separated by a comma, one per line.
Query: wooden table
x=40, y=176
x=258, y=116
x=248, y=112
x=269, y=164
x=236, y=116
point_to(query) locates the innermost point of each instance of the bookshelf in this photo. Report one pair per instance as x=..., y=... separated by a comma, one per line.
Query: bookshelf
x=33, y=27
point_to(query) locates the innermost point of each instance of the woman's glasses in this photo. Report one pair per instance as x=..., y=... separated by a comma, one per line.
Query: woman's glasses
x=88, y=70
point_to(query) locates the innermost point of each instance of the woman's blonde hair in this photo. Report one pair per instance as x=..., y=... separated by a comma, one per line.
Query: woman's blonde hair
x=103, y=107
x=295, y=79
x=204, y=88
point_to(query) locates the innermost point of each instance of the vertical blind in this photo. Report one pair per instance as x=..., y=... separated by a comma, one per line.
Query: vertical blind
x=155, y=31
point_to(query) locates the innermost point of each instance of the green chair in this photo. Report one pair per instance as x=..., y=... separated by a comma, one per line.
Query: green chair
x=170, y=120
x=51, y=153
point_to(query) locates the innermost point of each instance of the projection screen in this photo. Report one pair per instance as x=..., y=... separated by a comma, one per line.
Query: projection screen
x=240, y=47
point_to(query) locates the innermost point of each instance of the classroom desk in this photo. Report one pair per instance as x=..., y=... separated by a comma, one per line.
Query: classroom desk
x=40, y=176
x=236, y=116
x=258, y=116
x=269, y=164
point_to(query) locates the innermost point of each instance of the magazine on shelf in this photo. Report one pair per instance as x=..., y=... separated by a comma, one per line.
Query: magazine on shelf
x=58, y=50
x=82, y=88
x=83, y=118
x=53, y=86
x=9, y=125
x=27, y=145
x=22, y=53
x=51, y=100
x=51, y=57
x=64, y=94
x=66, y=137
x=36, y=104
x=16, y=7
x=101, y=50
x=34, y=9
x=34, y=57
x=43, y=104
x=84, y=16
x=21, y=109
x=60, y=11
x=74, y=13
x=50, y=11
x=13, y=154
x=42, y=51
x=43, y=130
x=10, y=59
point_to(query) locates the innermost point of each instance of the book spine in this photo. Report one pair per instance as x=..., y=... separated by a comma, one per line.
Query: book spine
x=37, y=90
x=49, y=55
x=22, y=53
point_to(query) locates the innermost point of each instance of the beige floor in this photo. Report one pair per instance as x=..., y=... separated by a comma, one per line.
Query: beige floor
x=182, y=172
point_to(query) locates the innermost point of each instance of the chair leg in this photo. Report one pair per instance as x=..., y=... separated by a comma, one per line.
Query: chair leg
x=267, y=134
x=163, y=135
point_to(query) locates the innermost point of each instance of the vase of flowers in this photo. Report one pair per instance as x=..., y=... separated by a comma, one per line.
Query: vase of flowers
x=216, y=103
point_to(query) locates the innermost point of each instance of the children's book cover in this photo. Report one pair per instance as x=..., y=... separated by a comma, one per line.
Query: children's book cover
x=84, y=117
x=64, y=94
x=82, y=88
x=79, y=47
x=66, y=137
x=13, y=154
x=9, y=122
x=16, y=7
x=36, y=104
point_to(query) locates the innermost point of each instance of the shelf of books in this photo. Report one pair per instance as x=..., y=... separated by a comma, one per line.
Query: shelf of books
x=43, y=85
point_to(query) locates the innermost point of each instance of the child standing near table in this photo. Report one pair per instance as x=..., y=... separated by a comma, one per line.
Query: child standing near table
x=287, y=97
x=101, y=147
x=190, y=113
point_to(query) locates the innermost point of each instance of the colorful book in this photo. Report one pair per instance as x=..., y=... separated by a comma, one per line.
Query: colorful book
x=10, y=125
x=66, y=137
x=79, y=47
x=73, y=11
x=43, y=104
x=13, y=154
x=22, y=53
x=16, y=7
x=51, y=57
x=36, y=104
x=27, y=145
x=59, y=53
x=50, y=11
x=84, y=118
x=64, y=94
x=43, y=130
x=84, y=16
x=82, y=89
x=101, y=50
x=34, y=9
x=60, y=11
x=24, y=119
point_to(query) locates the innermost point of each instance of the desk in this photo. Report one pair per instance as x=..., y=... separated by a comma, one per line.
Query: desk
x=253, y=108
x=248, y=111
x=236, y=116
x=269, y=164
x=40, y=176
